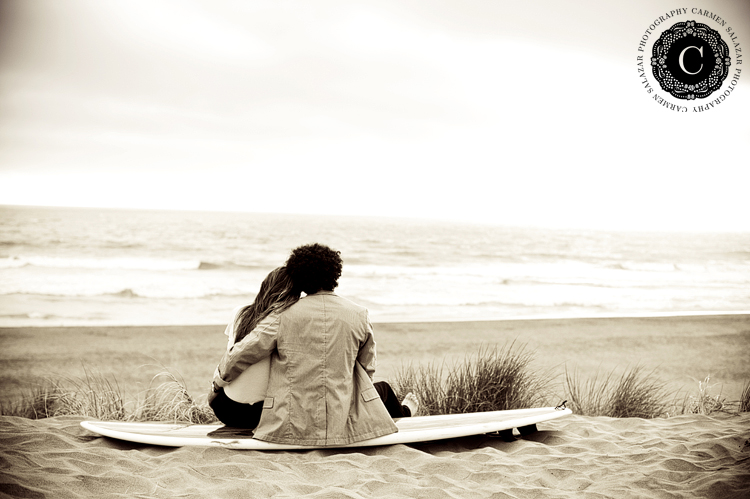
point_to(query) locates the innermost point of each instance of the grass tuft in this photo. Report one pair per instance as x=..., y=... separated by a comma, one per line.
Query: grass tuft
x=744, y=405
x=36, y=402
x=634, y=394
x=493, y=380
x=93, y=395
x=704, y=402
x=96, y=396
x=167, y=399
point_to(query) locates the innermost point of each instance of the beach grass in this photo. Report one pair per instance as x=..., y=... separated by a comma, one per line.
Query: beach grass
x=93, y=395
x=494, y=379
x=703, y=402
x=167, y=399
x=99, y=396
x=34, y=402
x=634, y=393
x=134, y=354
x=744, y=403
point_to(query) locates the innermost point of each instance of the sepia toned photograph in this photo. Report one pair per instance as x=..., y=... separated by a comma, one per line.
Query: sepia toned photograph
x=366, y=249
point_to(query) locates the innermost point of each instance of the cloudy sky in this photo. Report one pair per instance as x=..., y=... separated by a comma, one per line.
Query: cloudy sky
x=520, y=113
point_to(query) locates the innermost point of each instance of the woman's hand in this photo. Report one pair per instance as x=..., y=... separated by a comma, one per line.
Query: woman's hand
x=214, y=391
x=211, y=396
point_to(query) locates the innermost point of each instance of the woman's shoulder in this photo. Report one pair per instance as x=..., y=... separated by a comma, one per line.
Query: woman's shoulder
x=229, y=330
x=236, y=311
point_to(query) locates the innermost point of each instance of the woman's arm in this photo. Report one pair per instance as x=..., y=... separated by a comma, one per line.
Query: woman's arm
x=259, y=343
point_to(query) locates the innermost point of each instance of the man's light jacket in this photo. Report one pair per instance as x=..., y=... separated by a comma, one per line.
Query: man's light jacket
x=320, y=389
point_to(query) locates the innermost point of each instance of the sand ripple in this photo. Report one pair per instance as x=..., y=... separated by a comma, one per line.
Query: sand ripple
x=684, y=456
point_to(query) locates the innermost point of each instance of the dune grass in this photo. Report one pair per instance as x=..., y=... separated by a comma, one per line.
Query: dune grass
x=92, y=395
x=634, y=394
x=35, y=402
x=494, y=379
x=497, y=378
x=167, y=399
x=744, y=403
x=98, y=396
x=703, y=402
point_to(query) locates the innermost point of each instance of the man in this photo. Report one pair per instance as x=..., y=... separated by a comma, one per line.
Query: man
x=320, y=389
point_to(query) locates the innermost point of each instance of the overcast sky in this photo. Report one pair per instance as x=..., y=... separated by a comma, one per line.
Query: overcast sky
x=520, y=113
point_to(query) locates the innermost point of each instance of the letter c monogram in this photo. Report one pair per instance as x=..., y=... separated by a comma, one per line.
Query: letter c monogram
x=682, y=55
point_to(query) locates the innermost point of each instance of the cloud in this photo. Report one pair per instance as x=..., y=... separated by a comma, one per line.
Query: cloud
x=362, y=108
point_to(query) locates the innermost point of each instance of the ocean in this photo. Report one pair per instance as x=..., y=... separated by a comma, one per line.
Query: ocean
x=85, y=266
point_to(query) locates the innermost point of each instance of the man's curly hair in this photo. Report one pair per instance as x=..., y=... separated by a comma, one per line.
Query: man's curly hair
x=314, y=267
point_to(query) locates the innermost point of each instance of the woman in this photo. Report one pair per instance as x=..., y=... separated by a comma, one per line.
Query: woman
x=240, y=403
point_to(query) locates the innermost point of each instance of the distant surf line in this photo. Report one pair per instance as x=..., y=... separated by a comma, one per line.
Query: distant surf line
x=632, y=315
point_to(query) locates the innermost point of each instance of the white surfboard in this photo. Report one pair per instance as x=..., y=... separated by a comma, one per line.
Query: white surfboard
x=410, y=430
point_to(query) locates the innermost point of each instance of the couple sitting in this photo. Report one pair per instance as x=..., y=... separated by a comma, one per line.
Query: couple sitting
x=299, y=370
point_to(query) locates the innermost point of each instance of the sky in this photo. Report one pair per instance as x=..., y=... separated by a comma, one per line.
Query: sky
x=502, y=112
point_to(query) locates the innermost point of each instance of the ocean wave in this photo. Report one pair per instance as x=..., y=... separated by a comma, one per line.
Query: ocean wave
x=645, y=266
x=229, y=266
x=125, y=293
x=552, y=302
x=30, y=315
x=121, y=245
x=493, y=277
x=128, y=293
x=123, y=263
x=534, y=305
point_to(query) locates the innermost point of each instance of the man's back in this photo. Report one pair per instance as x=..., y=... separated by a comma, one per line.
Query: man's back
x=320, y=390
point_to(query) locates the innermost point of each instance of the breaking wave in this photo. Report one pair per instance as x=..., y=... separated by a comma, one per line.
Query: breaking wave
x=127, y=263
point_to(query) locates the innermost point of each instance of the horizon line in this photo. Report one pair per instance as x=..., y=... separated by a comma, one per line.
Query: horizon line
x=458, y=221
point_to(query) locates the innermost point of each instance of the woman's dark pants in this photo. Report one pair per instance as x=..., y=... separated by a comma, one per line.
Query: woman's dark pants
x=236, y=414
x=239, y=415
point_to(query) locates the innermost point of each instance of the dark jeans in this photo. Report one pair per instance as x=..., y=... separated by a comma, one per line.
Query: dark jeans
x=236, y=414
x=392, y=404
x=239, y=415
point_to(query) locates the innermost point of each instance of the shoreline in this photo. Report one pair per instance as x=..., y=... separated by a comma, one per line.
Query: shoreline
x=525, y=318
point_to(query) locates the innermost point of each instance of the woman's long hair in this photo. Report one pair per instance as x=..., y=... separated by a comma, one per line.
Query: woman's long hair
x=276, y=294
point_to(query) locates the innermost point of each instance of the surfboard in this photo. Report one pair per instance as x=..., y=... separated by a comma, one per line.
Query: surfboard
x=410, y=430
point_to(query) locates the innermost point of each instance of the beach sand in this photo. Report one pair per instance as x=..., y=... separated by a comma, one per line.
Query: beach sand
x=576, y=457
x=681, y=350
x=680, y=456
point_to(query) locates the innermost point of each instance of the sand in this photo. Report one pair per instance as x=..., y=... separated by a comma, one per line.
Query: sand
x=680, y=350
x=576, y=457
x=680, y=456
